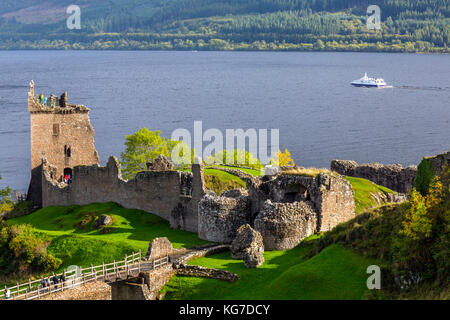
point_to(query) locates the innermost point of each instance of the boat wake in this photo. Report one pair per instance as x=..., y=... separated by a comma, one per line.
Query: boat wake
x=424, y=88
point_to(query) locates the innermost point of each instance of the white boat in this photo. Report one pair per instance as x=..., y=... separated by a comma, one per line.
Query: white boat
x=369, y=82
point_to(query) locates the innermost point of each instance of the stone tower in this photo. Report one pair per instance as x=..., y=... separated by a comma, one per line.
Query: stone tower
x=61, y=135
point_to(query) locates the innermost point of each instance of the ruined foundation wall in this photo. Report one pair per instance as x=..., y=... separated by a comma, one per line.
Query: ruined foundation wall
x=157, y=192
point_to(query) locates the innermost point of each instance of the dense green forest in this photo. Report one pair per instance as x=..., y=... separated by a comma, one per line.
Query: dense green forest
x=328, y=25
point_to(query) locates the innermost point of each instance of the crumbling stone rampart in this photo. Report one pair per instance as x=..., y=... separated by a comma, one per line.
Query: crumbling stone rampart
x=284, y=208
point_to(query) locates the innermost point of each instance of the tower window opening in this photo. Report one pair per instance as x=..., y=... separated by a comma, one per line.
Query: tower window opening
x=55, y=129
x=67, y=151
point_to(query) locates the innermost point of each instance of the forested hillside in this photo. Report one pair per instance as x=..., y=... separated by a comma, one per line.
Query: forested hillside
x=332, y=25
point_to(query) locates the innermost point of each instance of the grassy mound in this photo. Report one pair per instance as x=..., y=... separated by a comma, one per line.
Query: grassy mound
x=75, y=240
x=335, y=273
x=220, y=181
x=362, y=189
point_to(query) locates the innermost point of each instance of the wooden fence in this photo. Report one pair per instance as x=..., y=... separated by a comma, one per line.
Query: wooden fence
x=131, y=265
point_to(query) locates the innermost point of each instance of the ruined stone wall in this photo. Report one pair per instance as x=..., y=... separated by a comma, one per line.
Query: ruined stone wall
x=158, y=192
x=220, y=217
x=334, y=201
x=285, y=209
x=284, y=225
x=392, y=176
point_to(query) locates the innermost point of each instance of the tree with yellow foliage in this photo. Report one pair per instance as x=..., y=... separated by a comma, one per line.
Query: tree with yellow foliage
x=283, y=159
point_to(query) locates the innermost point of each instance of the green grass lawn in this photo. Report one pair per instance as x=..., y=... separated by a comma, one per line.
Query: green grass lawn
x=362, y=189
x=76, y=241
x=335, y=273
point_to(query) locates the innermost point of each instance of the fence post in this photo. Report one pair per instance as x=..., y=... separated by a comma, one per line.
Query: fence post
x=29, y=283
x=126, y=266
x=153, y=263
x=103, y=270
x=139, y=266
x=63, y=283
x=139, y=255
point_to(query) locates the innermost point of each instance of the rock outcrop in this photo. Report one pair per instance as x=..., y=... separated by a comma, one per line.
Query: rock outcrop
x=284, y=225
x=103, y=221
x=248, y=246
x=392, y=176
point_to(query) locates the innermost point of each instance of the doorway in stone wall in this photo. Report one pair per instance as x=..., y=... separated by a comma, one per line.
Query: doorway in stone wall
x=68, y=175
x=296, y=192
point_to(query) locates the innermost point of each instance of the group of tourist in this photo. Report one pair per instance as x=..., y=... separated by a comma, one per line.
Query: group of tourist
x=42, y=99
x=52, y=101
x=45, y=282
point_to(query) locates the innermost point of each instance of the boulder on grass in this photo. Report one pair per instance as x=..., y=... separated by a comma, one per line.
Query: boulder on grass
x=248, y=246
x=103, y=221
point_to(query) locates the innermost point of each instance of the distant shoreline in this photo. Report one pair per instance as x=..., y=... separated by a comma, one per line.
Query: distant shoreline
x=233, y=50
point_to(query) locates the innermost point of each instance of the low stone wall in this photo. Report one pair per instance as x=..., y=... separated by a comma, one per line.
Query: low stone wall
x=200, y=253
x=196, y=271
x=393, y=176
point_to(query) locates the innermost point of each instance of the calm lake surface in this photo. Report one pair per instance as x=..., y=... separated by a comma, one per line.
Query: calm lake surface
x=306, y=95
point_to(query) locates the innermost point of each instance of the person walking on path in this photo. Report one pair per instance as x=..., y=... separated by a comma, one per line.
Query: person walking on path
x=48, y=284
x=43, y=284
x=62, y=278
x=55, y=281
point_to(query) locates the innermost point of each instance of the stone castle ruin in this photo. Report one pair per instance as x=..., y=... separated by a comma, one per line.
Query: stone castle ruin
x=283, y=208
x=63, y=135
